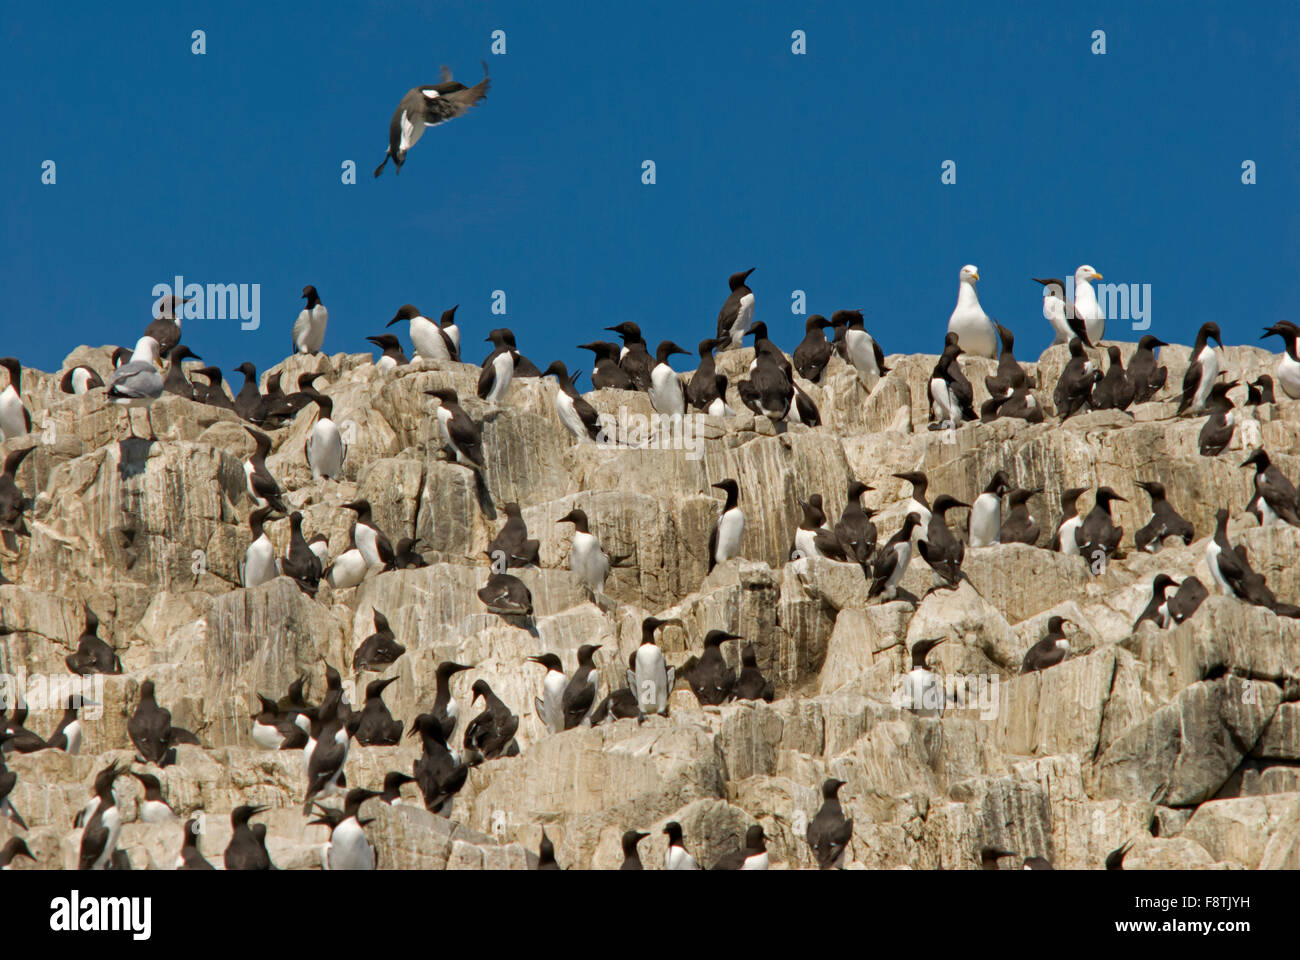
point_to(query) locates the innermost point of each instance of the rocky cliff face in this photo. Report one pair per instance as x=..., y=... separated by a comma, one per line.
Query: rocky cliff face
x=1185, y=741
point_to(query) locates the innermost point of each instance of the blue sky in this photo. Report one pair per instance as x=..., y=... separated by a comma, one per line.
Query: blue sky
x=822, y=170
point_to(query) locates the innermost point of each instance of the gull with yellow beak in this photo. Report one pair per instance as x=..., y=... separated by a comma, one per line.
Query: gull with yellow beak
x=1086, y=306
x=976, y=334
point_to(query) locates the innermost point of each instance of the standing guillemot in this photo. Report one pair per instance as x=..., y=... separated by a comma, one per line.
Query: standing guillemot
x=377, y=727
x=1086, y=306
x=262, y=487
x=946, y=407
x=651, y=679
x=1260, y=391
x=751, y=856
x=165, y=328
x=328, y=756
x=1165, y=521
x=274, y=729
x=393, y=356
x=666, y=393
x=939, y=548
x=1114, y=391
x=460, y=435
x=491, y=734
x=79, y=380
x=507, y=596
x=370, y=540
x=300, y=562
x=861, y=349
x=812, y=538
x=579, y=694
x=1147, y=378
x=347, y=848
x=380, y=648
x=921, y=691
x=429, y=339
x=1099, y=533
x=190, y=857
x=814, y=350
x=634, y=358
x=829, y=832
x=768, y=391
x=702, y=389
x=892, y=560
x=917, y=503
x=498, y=368
x=67, y=735
x=1010, y=376
x=550, y=705
x=1202, y=369
x=427, y=106
x=751, y=684
x=975, y=332
x=1288, y=366
x=986, y=512
x=153, y=807
x=93, y=655
x=607, y=372
x=729, y=531
x=1050, y=650
x=712, y=679
x=445, y=707
x=1275, y=494
x=151, y=731
x=586, y=557
x=1216, y=432
x=578, y=416
x=854, y=530
x=512, y=547
x=1065, y=537
x=1189, y=596
x=249, y=402
x=20, y=739
x=99, y=837
x=1019, y=525
x=737, y=311
x=1074, y=387
x=1157, y=609
x=175, y=380
x=134, y=384
x=631, y=859
x=438, y=772
x=394, y=780
x=309, y=328
x=676, y=856
x=213, y=393
x=259, y=559
x=245, y=851
x=1055, y=308
x=408, y=556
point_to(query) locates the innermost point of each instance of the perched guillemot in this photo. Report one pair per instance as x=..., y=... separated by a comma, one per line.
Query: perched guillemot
x=370, y=540
x=175, y=380
x=326, y=759
x=377, y=727
x=550, y=705
x=651, y=678
x=1019, y=525
x=507, y=596
x=80, y=379
x=498, y=368
x=1020, y=404
x=491, y=734
x=546, y=854
x=245, y=851
x=728, y=533
x=445, y=707
x=751, y=684
x=380, y=648
x=309, y=328
x=946, y=407
x=1146, y=378
x=393, y=355
x=346, y=570
x=829, y=832
x=300, y=562
x=1185, y=602
x=631, y=860
x=812, y=538
x=1216, y=432
x=99, y=837
x=1225, y=566
x=274, y=729
x=262, y=487
x=153, y=807
x=13, y=849
x=1099, y=535
x=408, y=556
x=1260, y=391
x=67, y=735
x=607, y=372
x=854, y=530
x=751, y=856
x=190, y=857
x=1010, y=376
x=917, y=503
x=1202, y=369
x=150, y=729
x=1050, y=650
x=737, y=311
x=921, y=690
x=975, y=332
x=986, y=512
x=939, y=548
x=1157, y=609
x=12, y=500
x=586, y=557
x=1055, y=308
x=20, y=739
x=428, y=338
x=394, y=780
x=325, y=450
x=438, y=772
x=461, y=435
x=94, y=655
x=135, y=384
x=578, y=416
x=1288, y=367
x=1086, y=306
x=1275, y=494
x=702, y=389
x=512, y=547
x=427, y=106
x=319, y=545
x=249, y=402
x=579, y=694
x=892, y=560
x=1165, y=521
x=1065, y=537
x=666, y=393
x=676, y=856
x=861, y=349
x=347, y=848
x=768, y=391
x=213, y=393
x=1074, y=387
x=712, y=679
x=1114, y=391
x=814, y=350
x=259, y=559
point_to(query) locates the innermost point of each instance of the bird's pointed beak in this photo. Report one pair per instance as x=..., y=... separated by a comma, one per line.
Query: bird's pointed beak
x=1097, y=276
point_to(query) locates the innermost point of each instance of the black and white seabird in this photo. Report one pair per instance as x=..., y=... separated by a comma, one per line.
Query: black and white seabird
x=438, y=772
x=586, y=557
x=1260, y=391
x=259, y=559
x=1114, y=391
x=607, y=373
x=1165, y=521
x=813, y=538
x=150, y=727
x=729, y=532
x=1050, y=650
x=394, y=780
x=1185, y=602
x=14, y=848
x=370, y=540
x=946, y=407
x=309, y=328
x=8, y=780
x=461, y=436
x=393, y=355
x=651, y=679
x=1157, y=610
x=631, y=860
x=445, y=707
x=506, y=595
x=249, y=402
x=1144, y=374
x=212, y=393
x=1086, y=309
x=300, y=562
x=702, y=389
x=427, y=106
x=1065, y=537
x=892, y=560
x=99, y=836
x=380, y=648
x=578, y=416
x=135, y=384
x=1202, y=369
x=491, y=734
x=922, y=691
x=1225, y=566
x=712, y=679
x=1019, y=526
x=67, y=735
x=814, y=351
x=347, y=848
x=428, y=338
x=20, y=739
x=498, y=369
x=986, y=512
x=1099, y=535
x=1216, y=432
x=190, y=857
x=550, y=705
x=325, y=449
x=737, y=311
x=666, y=393
x=325, y=760
x=378, y=728
x=751, y=684
x=939, y=548
x=1275, y=495
x=154, y=808
x=165, y=328
x=676, y=856
x=80, y=379
x=829, y=832
x=12, y=500
x=768, y=391
x=15, y=421
x=579, y=694
x=408, y=556
x=175, y=380
x=512, y=544
x=1288, y=367
x=1074, y=387
x=854, y=530
x=751, y=856
x=94, y=654
x=974, y=329
x=1010, y=376
x=1055, y=308
x=621, y=704
x=634, y=356
x=245, y=851
x=861, y=349
x=262, y=487
x=274, y=729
